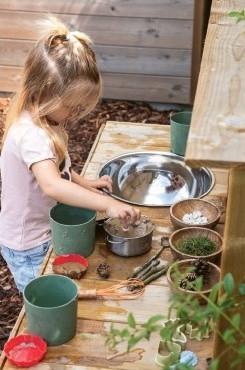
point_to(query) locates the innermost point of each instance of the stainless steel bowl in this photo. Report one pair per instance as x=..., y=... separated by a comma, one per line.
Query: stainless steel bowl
x=156, y=178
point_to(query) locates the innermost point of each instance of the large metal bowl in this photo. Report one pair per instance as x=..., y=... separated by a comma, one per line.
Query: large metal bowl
x=156, y=178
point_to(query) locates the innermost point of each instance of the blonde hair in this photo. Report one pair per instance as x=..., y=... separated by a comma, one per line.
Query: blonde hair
x=60, y=63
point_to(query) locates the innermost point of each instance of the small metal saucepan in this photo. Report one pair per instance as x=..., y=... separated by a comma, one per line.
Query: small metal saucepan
x=134, y=241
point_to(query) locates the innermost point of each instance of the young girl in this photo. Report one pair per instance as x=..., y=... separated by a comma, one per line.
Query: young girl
x=60, y=84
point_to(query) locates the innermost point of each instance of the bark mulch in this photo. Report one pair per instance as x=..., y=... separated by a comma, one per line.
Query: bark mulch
x=81, y=140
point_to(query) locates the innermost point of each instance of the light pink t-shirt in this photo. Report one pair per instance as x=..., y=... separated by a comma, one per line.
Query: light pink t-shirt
x=24, y=218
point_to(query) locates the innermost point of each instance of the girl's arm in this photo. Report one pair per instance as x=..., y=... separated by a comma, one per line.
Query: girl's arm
x=93, y=185
x=70, y=193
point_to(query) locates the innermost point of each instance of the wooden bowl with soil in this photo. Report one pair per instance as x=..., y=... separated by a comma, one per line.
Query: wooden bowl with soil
x=178, y=272
x=188, y=206
x=196, y=242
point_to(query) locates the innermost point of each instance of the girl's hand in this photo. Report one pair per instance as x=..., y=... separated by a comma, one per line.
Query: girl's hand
x=104, y=182
x=127, y=214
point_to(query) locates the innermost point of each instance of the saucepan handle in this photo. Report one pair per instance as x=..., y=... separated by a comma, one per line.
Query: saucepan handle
x=114, y=242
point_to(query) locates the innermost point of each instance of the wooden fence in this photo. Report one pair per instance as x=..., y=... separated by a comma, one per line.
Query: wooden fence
x=144, y=48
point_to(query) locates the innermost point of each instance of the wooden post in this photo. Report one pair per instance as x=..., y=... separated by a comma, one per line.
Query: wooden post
x=233, y=257
x=201, y=16
x=217, y=138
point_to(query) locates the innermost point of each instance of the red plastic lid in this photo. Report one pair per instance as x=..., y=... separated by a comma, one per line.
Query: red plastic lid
x=25, y=350
x=65, y=258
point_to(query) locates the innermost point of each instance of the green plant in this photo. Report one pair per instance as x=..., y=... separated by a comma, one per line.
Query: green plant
x=197, y=246
x=188, y=310
x=240, y=16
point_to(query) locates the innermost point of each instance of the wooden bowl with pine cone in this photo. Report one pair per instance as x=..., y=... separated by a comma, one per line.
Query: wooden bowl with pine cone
x=182, y=276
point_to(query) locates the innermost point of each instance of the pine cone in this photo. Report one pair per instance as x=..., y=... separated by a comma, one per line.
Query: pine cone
x=183, y=283
x=103, y=271
x=201, y=267
x=191, y=276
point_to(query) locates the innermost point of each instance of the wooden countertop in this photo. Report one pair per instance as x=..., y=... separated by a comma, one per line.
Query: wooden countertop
x=87, y=350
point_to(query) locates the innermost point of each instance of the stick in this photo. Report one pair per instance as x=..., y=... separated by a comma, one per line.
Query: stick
x=153, y=264
x=141, y=268
x=156, y=275
x=152, y=271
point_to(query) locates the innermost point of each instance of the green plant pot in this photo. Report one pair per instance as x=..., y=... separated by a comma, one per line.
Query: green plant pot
x=73, y=230
x=51, y=308
x=179, y=127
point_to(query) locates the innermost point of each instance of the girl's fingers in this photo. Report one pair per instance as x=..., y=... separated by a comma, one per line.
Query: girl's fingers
x=129, y=216
x=106, y=178
x=106, y=182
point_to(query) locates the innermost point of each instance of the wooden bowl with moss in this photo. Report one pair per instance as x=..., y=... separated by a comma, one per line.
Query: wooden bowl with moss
x=196, y=242
x=178, y=278
x=194, y=212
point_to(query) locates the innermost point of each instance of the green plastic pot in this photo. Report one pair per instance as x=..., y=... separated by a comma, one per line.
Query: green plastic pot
x=73, y=230
x=51, y=308
x=179, y=127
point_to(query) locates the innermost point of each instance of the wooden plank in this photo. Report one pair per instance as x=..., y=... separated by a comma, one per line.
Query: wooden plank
x=87, y=351
x=162, y=89
x=134, y=87
x=233, y=260
x=134, y=8
x=217, y=134
x=114, y=59
x=121, y=31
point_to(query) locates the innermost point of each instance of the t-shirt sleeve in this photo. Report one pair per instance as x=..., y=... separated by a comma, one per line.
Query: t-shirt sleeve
x=36, y=146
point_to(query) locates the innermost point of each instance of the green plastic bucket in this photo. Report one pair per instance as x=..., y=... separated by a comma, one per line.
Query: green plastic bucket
x=51, y=308
x=73, y=230
x=179, y=127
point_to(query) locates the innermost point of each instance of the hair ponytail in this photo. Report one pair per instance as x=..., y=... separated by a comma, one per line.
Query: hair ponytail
x=60, y=63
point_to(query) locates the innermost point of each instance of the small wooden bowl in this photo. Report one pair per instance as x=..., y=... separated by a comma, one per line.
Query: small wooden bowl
x=211, y=278
x=193, y=232
x=208, y=210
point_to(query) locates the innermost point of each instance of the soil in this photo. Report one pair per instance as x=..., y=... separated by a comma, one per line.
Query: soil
x=81, y=140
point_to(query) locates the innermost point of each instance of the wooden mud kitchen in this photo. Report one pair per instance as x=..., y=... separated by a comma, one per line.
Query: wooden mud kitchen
x=216, y=140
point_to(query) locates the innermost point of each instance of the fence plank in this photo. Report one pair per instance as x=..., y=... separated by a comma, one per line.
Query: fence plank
x=138, y=32
x=133, y=87
x=134, y=8
x=114, y=59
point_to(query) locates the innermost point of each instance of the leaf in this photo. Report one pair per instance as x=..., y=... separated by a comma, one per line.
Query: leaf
x=241, y=350
x=236, y=362
x=134, y=340
x=214, y=292
x=114, y=332
x=240, y=19
x=229, y=283
x=234, y=14
x=154, y=319
x=214, y=365
x=241, y=288
x=166, y=334
x=183, y=367
x=131, y=321
x=124, y=333
x=236, y=320
x=228, y=336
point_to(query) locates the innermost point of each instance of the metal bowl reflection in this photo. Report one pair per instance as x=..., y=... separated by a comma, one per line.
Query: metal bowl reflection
x=156, y=178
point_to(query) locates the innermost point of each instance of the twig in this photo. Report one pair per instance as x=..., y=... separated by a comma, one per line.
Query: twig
x=156, y=275
x=149, y=268
x=152, y=271
x=141, y=268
